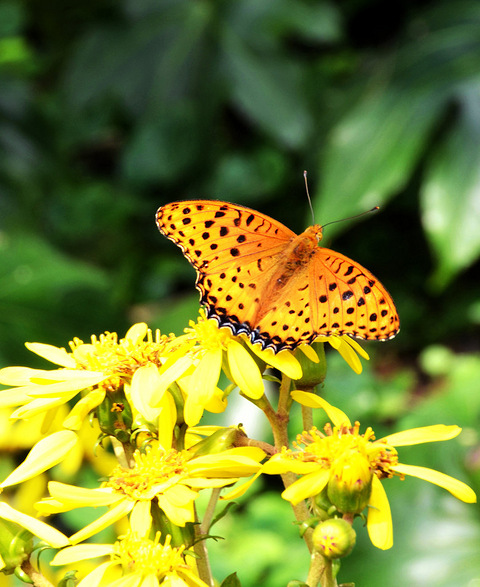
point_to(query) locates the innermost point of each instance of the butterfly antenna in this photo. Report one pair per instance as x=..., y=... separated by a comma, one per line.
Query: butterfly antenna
x=352, y=217
x=308, y=196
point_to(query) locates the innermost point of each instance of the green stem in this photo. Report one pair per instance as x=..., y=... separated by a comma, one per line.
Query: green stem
x=307, y=417
x=202, y=560
x=123, y=452
x=37, y=578
x=210, y=511
x=320, y=572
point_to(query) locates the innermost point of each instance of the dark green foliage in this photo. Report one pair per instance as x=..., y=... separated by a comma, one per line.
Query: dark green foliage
x=109, y=109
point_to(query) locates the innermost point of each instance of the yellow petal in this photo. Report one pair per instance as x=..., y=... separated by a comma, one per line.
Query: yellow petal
x=145, y=386
x=15, y=396
x=41, y=405
x=80, y=552
x=82, y=408
x=137, y=332
x=307, y=486
x=113, y=515
x=70, y=381
x=284, y=361
x=141, y=518
x=170, y=374
x=280, y=463
x=40, y=529
x=356, y=347
x=20, y=375
x=104, y=574
x=52, y=354
x=220, y=465
x=239, y=490
x=347, y=353
x=423, y=434
x=81, y=496
x=45, y=454
x=244, y=370
x=454, y=486
x=312, y=400
x=379, y=518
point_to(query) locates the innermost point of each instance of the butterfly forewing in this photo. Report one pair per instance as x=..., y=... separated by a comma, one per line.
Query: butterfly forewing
x=234, y=251
x=257, y=277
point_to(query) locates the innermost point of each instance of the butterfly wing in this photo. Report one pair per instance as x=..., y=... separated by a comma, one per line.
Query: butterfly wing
x=347, y=299
x=234, y=250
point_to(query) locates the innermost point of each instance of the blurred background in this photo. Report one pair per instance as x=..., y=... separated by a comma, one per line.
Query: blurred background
x=111, y=108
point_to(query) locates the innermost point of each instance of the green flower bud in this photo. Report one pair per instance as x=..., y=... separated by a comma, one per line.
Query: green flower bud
x=334, y=538
x=313, y=373
x=350, y=483
x=219, y=441
x=16, y=544
x=115, y=416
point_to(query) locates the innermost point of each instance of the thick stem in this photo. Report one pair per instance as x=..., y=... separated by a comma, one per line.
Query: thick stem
x=202, y=560
x=210, y=511
x=37, y=578
x=320, y=572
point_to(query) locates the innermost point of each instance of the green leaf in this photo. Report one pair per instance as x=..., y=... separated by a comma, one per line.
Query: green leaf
x=450, y=193
x=231, y=581
x=370, y=154
x=267, y=89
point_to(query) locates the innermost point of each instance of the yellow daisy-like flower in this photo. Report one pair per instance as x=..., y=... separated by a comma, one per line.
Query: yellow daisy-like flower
x=201, y=354
x=134, y=561
x=349, y=466
x=103, y=365
x=161, y=475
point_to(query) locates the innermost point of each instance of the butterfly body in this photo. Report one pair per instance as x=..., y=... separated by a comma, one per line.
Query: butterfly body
x=259, y=278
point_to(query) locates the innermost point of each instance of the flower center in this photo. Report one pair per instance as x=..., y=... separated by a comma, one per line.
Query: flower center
x=155, y=471
x=149, y=557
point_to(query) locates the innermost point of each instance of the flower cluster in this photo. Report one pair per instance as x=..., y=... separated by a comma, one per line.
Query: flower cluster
x=144, y=397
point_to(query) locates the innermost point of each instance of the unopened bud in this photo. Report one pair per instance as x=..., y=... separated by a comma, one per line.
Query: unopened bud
x=350, y=483
x=334, y=538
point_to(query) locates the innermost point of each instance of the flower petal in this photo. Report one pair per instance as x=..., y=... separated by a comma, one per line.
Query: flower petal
x=141, y=518
x=422, y=434
x=454, y=486
x=312, y=400
x=52, y=354
x=379, y=517
x=80, y=552
x=36, y=527
x=113, y=515
x=244, y=370
x=307, y=486
x=284, y=361
x=45, y=454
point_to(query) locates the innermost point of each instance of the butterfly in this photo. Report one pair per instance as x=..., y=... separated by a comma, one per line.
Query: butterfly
x=258, y=278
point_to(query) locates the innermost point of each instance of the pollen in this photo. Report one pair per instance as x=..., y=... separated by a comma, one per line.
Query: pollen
x=120, y=358
x=207, y=332
x=154, y=471
x=149, y=557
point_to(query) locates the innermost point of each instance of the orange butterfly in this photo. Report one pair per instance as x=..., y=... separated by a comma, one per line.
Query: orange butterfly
x=259, y=278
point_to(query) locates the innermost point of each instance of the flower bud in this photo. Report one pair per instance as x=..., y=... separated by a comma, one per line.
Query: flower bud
x=16, y=544
x=115, y=416
x=350, y=482
x=334, y=538
x=222, y=439
x=313, y=373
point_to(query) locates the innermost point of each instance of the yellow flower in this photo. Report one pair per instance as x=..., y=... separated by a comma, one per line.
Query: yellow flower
x=136, y=561
x=102, y=366
x=161, y=476
x=201, y=354
x=348, y=464
x=43, y=531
